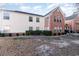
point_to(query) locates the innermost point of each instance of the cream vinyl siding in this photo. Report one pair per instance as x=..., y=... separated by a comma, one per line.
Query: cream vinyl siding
x=19, y=22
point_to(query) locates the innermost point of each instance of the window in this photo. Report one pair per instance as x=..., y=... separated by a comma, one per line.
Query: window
x=54, y=19
x=60, y=29
x=30, y=28
x=6, y=29
x=37, y=28
x=55, y=29
x=6, y=16
x=30, y=19
x=59, y=19
x=37, y=20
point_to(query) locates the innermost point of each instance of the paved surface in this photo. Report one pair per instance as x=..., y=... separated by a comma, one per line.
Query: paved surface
x=65, y=45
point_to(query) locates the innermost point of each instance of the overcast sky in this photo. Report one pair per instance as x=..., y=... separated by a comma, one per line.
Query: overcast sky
x=39, y=8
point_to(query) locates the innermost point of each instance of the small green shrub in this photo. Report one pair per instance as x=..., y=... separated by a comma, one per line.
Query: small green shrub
x=47, y=33
x=2, y=34
x=28, y=33
x=39, y=32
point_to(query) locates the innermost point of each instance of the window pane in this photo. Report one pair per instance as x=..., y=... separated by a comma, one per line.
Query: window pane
x=30, y=28
x=37, y=19
x=37, y=28
x=59, y=18
x=30, y=19
x=54, y=19
x=6, y=15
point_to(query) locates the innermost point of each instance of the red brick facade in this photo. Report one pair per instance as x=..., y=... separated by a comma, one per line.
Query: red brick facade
x=73, y=24
x=56, y=20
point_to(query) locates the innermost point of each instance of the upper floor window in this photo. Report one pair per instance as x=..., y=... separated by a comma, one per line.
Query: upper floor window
x=30, y=19
x=6, y=15
x=59, y=18
x=54, y=19
x=37, y=19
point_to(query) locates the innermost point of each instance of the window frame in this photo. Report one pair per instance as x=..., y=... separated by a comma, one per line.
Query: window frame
x=30, y=28
x=37, y=19
x=30, y=19
x=55, y=19
x=6, y=15
x=37, y=28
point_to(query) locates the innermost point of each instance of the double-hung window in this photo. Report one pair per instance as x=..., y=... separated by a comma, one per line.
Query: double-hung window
x=6, y=16
x=30, y=19
x=37, y=19
x=30, y=28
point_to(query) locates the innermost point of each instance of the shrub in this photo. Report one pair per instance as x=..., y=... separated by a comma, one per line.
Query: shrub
x=39, y=32
x=47, y=33
x=2, y=34
x=28, y=32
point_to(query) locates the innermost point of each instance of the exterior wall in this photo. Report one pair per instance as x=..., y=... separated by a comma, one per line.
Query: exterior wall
x=47, y=22
x=59, y=24
x=53, y=24
x=1, y=20
x=76, y=26
x=71, y=24
x=19, y=22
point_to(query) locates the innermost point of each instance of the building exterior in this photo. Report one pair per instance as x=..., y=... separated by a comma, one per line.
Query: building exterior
x=72, y=23
x=76, y=22
x=69, y=25
x=55, y=19
x=19, y=22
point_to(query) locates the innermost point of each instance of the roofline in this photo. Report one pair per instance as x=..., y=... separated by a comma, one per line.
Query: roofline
x=23, y=12
x=51, y=11
x=32, y=13
x=54, y=10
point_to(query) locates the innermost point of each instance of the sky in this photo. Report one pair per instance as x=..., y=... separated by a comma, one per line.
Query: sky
x=39, y=8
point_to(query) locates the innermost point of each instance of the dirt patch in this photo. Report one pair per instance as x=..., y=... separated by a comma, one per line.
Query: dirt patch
x=40, y=46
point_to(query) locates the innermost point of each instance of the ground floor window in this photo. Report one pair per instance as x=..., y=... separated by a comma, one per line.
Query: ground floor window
x=30, y=28
x=37, y=28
